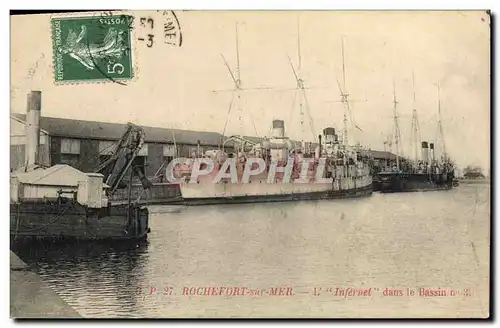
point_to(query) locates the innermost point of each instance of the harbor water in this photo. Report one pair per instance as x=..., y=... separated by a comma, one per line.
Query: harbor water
x=290, y=259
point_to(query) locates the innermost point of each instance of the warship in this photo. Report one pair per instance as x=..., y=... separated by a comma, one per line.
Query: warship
x=332, y=171
x=428, y=175
x=425, y=172
x=288, y=171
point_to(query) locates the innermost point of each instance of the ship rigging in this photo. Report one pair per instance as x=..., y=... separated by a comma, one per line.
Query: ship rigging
x=348, y=116
x=236, y=94
x=415, y=138
x=397, y=131
x=426, y=172
x=343, y=170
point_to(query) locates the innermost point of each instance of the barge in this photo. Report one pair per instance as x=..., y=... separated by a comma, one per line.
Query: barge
x=63, y=203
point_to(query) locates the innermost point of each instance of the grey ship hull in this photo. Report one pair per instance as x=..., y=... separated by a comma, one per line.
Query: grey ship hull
x=411, y=182
x=329, y=194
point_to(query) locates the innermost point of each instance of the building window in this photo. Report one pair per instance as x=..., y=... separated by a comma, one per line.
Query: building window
x=107, y=147
x=70, y=146
x=106, y=150
x=139, y=161
x=70, y=152
x=70, y=159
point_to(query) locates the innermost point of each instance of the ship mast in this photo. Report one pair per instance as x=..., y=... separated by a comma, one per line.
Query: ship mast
x=238, y=80
x=300, y=88
x=440, y=125
x=415, y=126
x=344, y=96
x=397, y=132
x=299, y=66
x=237, y=88
x=344, y=99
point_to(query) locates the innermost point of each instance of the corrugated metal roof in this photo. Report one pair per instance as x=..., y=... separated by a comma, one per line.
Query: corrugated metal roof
x=113, y=131
x=70, y=128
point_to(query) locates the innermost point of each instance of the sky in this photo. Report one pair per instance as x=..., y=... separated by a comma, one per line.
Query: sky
x=174, y=85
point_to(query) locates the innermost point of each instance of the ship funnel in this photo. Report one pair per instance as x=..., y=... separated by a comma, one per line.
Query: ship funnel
x=33, y=127
x=330, y=136
x=278, y=128
x=319, y=146
x=425, y=151
x=432, y=152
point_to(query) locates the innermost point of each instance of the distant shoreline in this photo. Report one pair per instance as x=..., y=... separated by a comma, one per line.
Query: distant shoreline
x=475, y=181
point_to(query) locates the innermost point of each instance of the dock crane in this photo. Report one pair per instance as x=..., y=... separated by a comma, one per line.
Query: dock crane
x=122, y=157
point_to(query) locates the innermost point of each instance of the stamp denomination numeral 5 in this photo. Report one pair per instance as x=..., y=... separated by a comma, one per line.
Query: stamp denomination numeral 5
x=117, y=68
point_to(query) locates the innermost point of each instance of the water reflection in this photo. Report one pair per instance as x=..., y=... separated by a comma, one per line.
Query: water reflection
x=386, y=241
x=91, y=276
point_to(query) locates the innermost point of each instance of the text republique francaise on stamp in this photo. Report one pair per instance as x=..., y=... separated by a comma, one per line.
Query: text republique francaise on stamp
x=92, y=48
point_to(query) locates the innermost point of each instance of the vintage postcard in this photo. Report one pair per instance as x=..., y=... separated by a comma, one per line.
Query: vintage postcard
x=250, y=164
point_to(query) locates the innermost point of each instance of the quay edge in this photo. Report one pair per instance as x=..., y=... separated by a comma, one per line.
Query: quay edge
x=32, y=298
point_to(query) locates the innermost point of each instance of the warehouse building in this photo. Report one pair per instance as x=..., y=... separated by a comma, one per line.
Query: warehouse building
x=86, y=144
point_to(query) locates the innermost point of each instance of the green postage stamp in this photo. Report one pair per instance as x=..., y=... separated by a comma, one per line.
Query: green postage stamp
x=92, y=48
